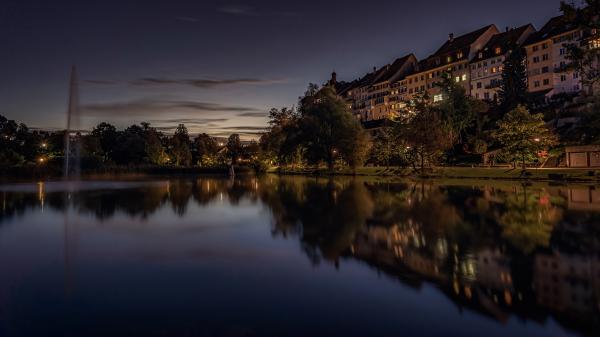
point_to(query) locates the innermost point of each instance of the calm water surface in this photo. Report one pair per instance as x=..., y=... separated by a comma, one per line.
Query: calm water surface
x=298, y=257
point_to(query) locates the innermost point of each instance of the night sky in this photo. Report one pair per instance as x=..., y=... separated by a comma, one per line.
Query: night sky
x=217, y=66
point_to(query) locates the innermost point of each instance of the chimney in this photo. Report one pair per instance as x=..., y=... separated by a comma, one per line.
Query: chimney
x=451, y=37
x=333, y=78
x=374, y=69
x=507, y=29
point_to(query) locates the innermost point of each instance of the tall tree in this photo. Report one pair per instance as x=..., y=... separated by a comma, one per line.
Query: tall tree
x=107, y=134
x=234, y=148
x=513, y=89
x=180, y=148
x=206, y=148
x=524, y=135
x=329, y=130
x=426, y=135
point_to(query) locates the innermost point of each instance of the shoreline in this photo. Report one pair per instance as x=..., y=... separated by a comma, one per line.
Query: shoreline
x=559, y=175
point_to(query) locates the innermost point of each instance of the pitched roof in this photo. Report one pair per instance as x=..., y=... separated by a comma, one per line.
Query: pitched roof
x=394, y=68
x=504, y=41
x=556, y=26
x=462, y=42
x=447, y=54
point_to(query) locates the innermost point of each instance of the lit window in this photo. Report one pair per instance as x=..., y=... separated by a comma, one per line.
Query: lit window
x=498, y=51
x=459, y=55
x=457, y=79
x=438, y=98
x=464, y=77
x=449, y=59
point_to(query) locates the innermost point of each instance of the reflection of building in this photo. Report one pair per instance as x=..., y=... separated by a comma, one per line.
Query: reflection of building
x=583, y=199
x=567, y=283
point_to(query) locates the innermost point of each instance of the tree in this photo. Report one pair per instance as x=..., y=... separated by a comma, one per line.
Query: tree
x=426, y=135
x=524, y=135
x=457, y=110
x=585, y=57
x=107, y=134
x=281, y=142
x=234, y=148
x=329, y=131
x=180, y=148
x=513, y=89
x=205, y=149
x=155, y=150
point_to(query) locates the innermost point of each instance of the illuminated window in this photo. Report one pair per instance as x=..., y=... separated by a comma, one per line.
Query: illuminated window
x=464, y=77
x=595, y=44
x=449, y=59
x=494, y=70
x=498, y=51
x=457, y=79
x=459, y=55
x=438, y=98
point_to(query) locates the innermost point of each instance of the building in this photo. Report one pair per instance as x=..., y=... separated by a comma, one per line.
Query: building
x=547, y=71
x=487, y=64
x=451, y=59
x=376, y=95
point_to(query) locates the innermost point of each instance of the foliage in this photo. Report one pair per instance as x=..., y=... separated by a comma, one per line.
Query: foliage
x=426, y=135
x=180, y=149
x=328, y=131
x=205, y=150
x=234, y=148
x=524, y=135
x=513, y=89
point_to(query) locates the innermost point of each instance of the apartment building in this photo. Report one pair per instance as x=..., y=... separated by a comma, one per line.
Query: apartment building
x=488, y=63
x=451, y=59
x=547, y=70
x=376, y=95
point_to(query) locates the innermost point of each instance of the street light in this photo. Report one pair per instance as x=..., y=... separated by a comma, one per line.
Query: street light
x=537, y=140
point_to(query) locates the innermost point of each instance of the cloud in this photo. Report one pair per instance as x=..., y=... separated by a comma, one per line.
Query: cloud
x=187, y=19
x=151, y=107
x=253, y=114
x=245, y=10
x=236, y=9
x=203, y=83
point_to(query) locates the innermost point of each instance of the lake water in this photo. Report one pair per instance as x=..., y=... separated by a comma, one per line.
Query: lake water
x=296, y=256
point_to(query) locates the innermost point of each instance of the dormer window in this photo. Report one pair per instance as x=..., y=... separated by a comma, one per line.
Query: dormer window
x=459, y=55
x=498, y=51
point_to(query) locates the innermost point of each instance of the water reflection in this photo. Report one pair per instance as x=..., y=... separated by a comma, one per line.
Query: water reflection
x=508, y=250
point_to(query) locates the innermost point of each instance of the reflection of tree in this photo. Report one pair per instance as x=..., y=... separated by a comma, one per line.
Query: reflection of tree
x=528, y=220
x=180, y=192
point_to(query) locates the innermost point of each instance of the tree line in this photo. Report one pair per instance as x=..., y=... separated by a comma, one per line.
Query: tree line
x=135, y=145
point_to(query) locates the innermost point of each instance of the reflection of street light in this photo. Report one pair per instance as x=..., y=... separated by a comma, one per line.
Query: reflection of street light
x=41, y=160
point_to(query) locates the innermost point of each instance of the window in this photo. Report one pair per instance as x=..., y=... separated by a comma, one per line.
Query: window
x=438, y=98
x=457, y=79
x=546, y=82
x=545, y=57
x=545, y=70
x=563, y=78
x=545, y=45
x=536, y=84
x=479, y=85
x=459, y=55
x=536, y=59
x=563, y=51
x=494, y=70
x=464, y=77
x=486, y=95
x=536, y=48
x=575, y=76
x=498, y=51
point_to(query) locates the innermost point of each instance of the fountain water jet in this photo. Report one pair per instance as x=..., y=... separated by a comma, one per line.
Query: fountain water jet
x=72, y=153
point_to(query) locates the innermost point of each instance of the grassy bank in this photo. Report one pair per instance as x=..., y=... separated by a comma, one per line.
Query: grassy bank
x=560, y=175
